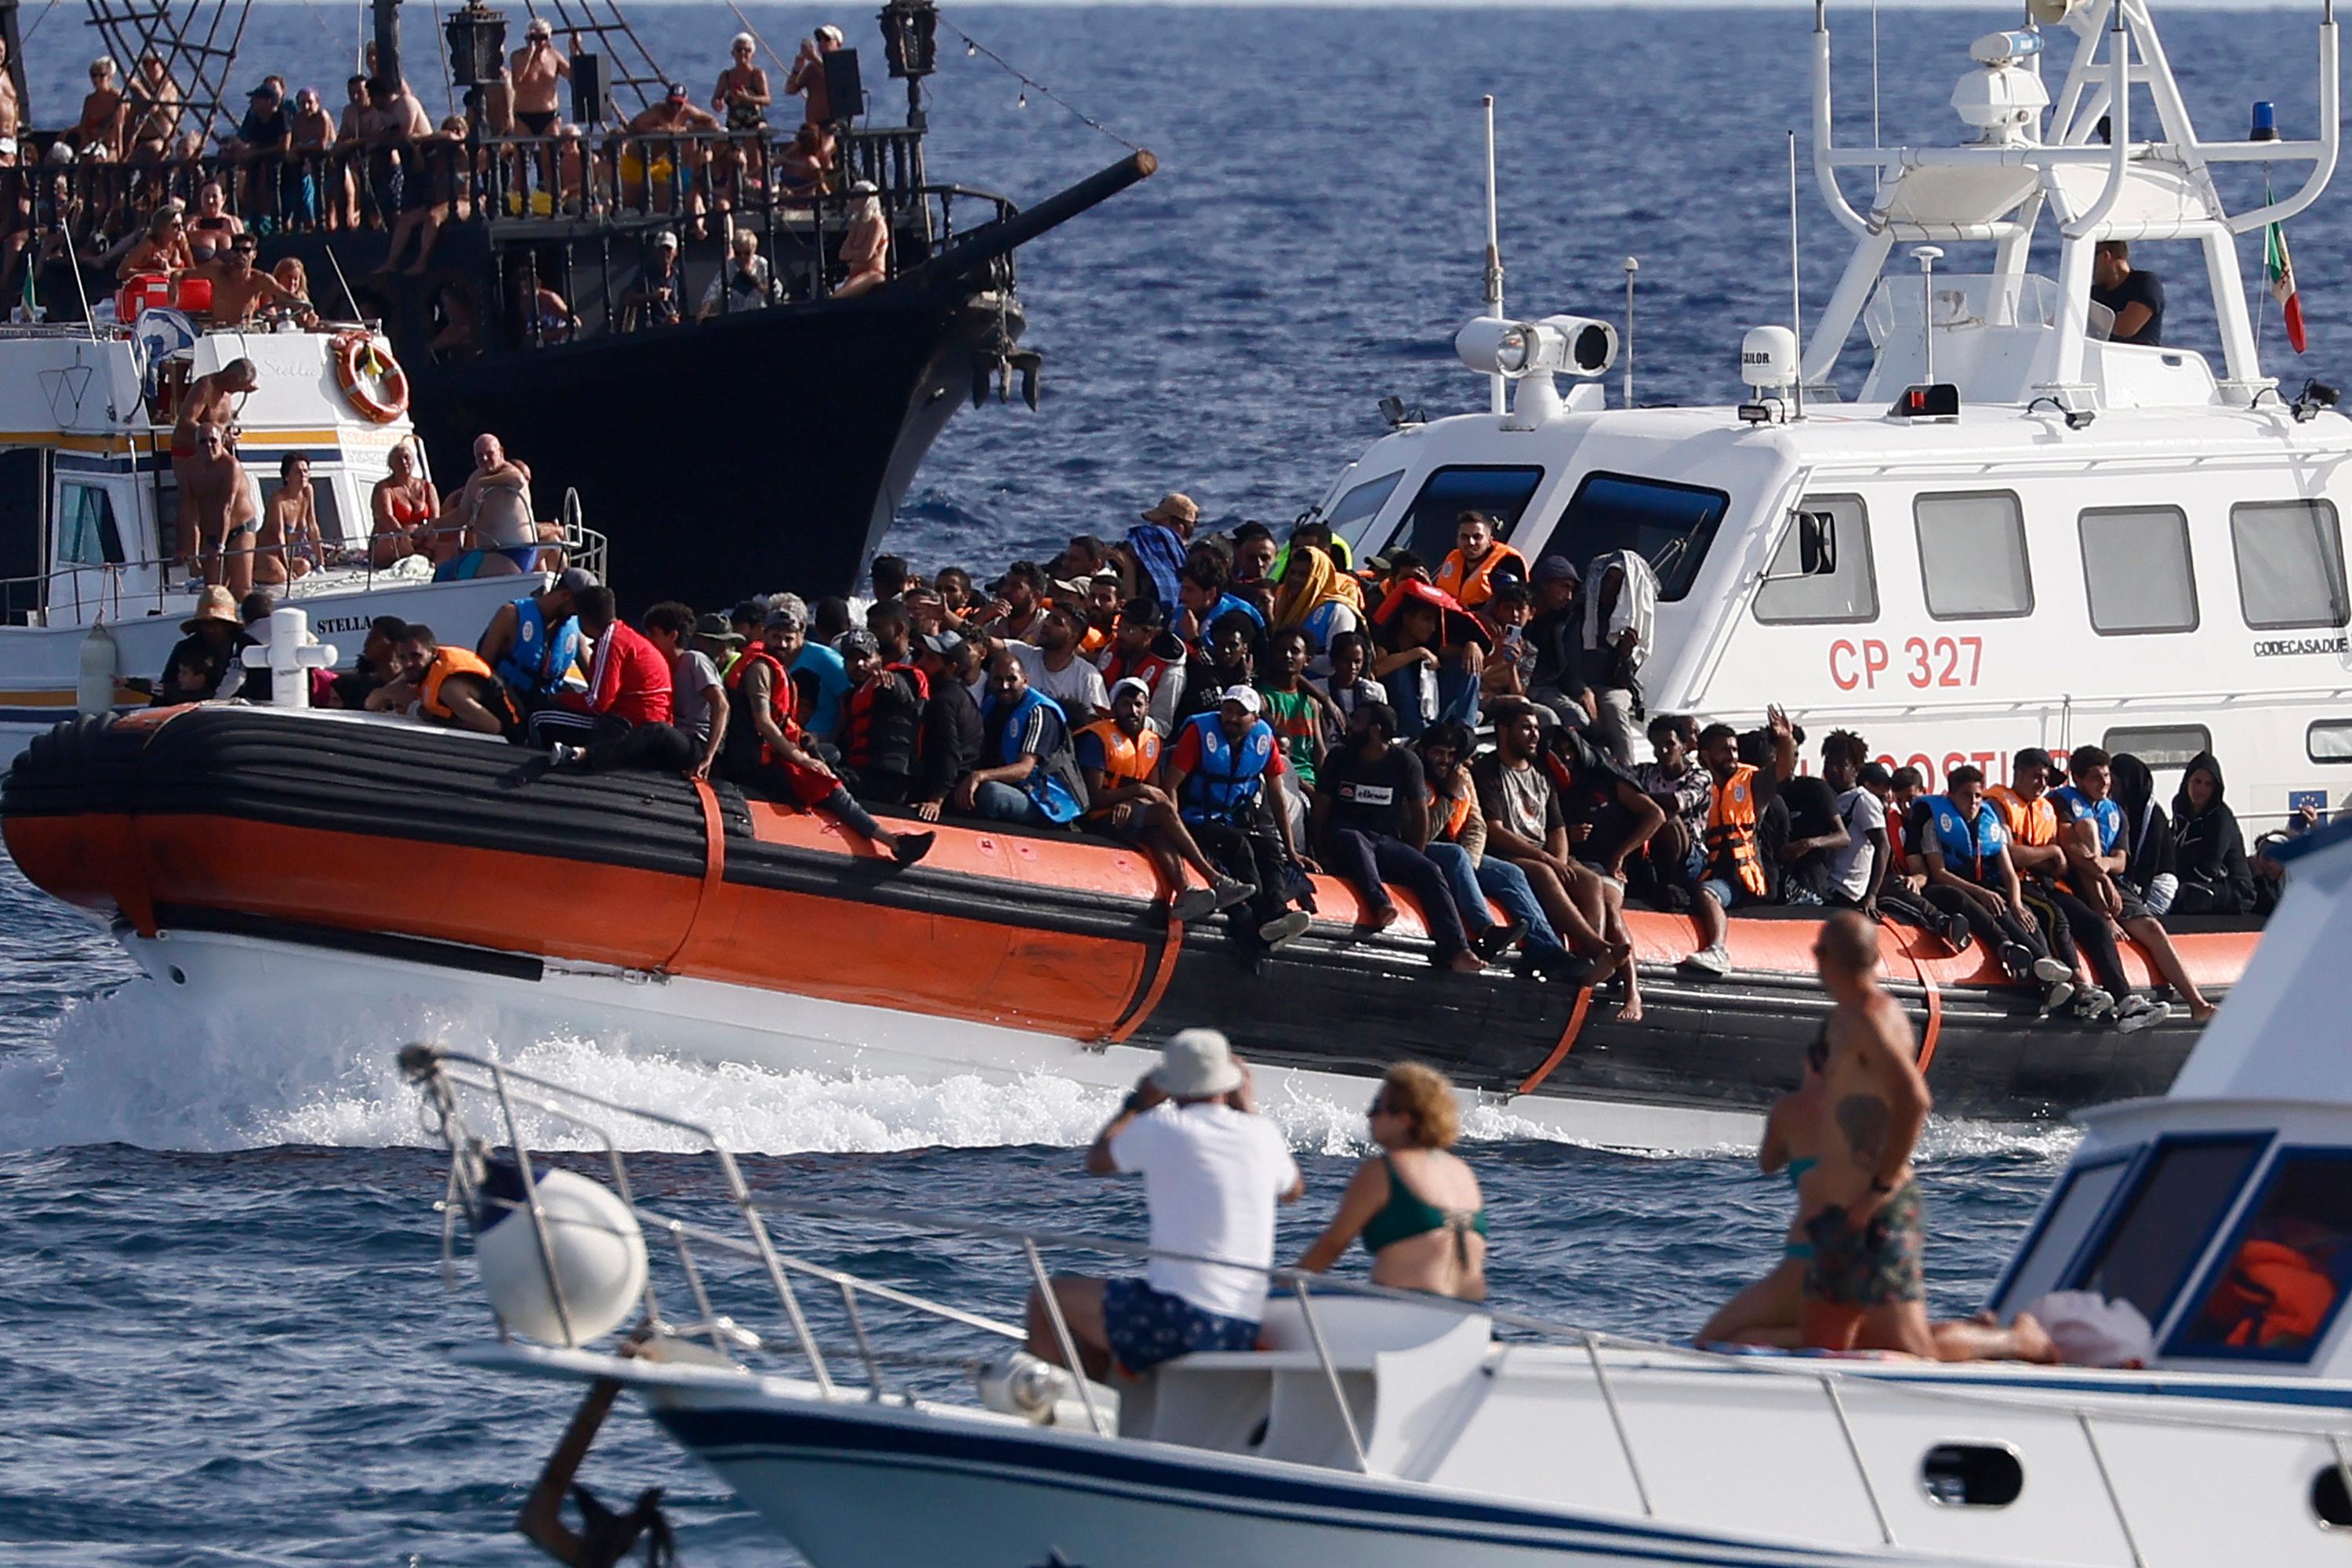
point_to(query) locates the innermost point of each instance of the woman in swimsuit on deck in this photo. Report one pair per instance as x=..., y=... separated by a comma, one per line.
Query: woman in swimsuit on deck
x=1417, y=1206
x=1766, y=1312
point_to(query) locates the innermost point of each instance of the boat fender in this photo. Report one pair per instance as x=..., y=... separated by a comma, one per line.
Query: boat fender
x=599, y=1255
x=1022, y=1384
x=100, y=662
x=371, y=378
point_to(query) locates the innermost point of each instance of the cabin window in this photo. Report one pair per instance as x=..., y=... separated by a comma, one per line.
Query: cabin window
x=2290, y=565
x=1848, y=594
x=2276, y=1290
x=1671, y=526
x=1972, y=1475
x=2181, y=1195
x=1430, y=523
x=2083, y=1197
x=87, y=535
x=2160, y=746
x=2329, y=741
x=2137, y=572
x=1353, y=513
x=2330, y=1501
x=1973, y=560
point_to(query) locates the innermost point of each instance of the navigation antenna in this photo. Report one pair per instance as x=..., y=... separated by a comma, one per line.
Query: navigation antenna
x=1494, y=251
x=198, y=49
x=1796, y=284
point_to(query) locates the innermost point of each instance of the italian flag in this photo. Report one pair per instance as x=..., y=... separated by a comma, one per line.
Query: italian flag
x=2278, y=269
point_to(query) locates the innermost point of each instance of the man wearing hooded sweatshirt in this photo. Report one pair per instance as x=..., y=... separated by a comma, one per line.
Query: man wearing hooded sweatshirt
x=2209, y=849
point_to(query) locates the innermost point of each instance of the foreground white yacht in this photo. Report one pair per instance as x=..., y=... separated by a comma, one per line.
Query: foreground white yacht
x=1378, y=1427
x=92, y=583
x=2012, y=531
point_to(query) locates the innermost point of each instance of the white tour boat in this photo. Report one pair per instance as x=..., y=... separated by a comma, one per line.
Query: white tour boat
x=2013, y=531
x=93, y=587
x=1380, y=1427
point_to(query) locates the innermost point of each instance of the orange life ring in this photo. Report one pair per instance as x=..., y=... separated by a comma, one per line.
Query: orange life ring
x=380, y=398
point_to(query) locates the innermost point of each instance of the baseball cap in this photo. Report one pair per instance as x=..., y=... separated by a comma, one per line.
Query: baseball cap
x=1245, y=695
x=785, y=616
x=1558, y=569
x=677, y=92
x=577, y=578
x=1123, y=682
x=855, y=641
x=2035, y=757
x=665, y=240
x=947, y=645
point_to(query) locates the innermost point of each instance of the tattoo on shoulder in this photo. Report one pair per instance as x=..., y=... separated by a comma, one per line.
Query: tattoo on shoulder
x=1862, y=1118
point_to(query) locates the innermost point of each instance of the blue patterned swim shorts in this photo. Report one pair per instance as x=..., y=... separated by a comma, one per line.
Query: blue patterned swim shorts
x=1146, y=1327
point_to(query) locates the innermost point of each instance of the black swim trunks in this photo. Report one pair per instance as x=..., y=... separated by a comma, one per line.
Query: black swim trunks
x=1876, y=1266
x=537, y=122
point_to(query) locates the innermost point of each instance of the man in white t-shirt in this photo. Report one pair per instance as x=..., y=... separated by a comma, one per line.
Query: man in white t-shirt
x=1213, y=1172
x=698, y=698
x=1053, y=665
x=1855, y=871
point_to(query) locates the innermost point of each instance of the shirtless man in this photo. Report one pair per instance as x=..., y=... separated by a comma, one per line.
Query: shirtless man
x=494, y=507
x=11, y=109
x=1860, y=1206
x=213, y=498
x=535, y=69
x=240, y=287
x=287, y=545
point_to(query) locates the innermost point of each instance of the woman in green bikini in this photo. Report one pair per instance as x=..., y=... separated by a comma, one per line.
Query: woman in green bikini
x=1766, y=1313
x=1417, y=1206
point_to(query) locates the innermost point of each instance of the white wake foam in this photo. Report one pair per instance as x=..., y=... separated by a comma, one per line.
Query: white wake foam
x=139, y=1066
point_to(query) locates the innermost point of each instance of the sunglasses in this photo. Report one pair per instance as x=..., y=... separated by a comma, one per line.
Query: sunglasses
x=1379, y=1106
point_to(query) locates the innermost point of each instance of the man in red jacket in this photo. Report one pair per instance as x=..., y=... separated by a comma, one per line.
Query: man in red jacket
x=622, y=720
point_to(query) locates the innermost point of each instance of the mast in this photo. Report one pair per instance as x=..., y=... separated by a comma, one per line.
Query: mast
x=387, y=37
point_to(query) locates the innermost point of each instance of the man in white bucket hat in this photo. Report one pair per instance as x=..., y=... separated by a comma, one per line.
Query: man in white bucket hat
x=1212, y=1171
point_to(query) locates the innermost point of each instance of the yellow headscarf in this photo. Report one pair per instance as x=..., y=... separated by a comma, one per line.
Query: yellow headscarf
x=1311, y=582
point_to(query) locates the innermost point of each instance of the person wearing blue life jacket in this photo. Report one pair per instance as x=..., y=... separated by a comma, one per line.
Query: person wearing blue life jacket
x=1028, y=775
x=2090, y=831
x=1220, y=768
x=1205, y=591
x=533, y=645
x=1969, y=874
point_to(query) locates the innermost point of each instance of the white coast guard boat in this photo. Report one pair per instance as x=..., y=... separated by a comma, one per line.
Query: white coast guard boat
x=1381, y=1428
x=2013, y=531
x=92, y=585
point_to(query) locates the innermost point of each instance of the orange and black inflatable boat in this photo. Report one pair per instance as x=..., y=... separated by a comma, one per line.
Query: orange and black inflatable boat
x=443, y=863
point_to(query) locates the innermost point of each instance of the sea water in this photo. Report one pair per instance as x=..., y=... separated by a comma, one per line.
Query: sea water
x=222, y=1328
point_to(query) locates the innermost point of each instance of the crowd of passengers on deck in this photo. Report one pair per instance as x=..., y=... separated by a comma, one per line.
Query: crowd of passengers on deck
x=139, y=185
x=1249, y=711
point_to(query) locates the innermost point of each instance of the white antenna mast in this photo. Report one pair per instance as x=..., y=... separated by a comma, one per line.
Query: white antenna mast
x=1796, y=285
x=1631, y=267
x=1494, y=249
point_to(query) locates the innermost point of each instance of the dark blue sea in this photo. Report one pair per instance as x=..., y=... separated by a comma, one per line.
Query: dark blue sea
x=222, y=1328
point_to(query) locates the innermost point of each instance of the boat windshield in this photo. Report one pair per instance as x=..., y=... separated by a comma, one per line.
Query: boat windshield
x=1430, y=523
x=1352, y=515
x=1671, y=525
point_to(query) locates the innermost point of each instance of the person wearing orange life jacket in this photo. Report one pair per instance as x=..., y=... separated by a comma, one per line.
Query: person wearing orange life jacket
x=1734, y=872
x=2073, y=930
x=1118, y=756
x=445, y=686
x=765, y=749
x=881, y=723
x=1469, y=573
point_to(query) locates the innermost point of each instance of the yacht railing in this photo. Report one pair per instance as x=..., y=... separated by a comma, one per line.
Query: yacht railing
x=441, y=1073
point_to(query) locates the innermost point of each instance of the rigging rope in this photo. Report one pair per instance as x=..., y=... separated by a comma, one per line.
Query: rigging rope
x=1030, y=84
x=39, y=19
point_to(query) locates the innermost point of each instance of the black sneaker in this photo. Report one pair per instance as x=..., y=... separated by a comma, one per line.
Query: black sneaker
x=1495, y=941
x=2016, y=960
x=912, y=847
x=1957, y=934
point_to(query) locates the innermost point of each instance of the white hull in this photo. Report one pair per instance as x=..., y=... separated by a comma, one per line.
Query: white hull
x=228, y=978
